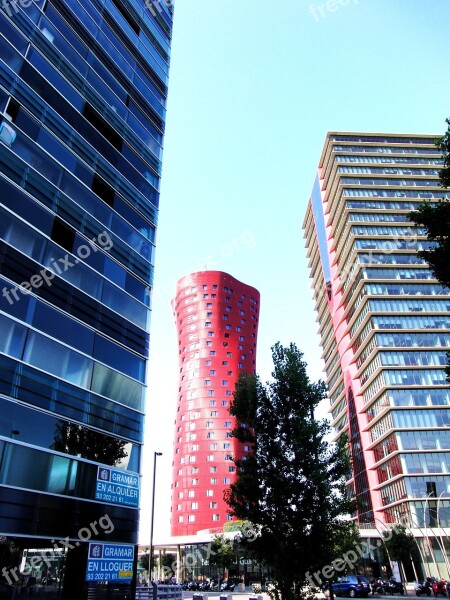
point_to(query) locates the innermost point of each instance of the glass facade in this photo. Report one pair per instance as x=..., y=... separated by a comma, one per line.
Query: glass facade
x=385, y=339
x=83, y=88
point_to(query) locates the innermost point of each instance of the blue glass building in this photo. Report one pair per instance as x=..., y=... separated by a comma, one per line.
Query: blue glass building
x=83, y=86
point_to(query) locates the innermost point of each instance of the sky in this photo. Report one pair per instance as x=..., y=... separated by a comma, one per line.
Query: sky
x=254, y=87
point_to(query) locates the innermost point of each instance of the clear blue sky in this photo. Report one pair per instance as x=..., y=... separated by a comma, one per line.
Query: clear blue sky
x=254, y=87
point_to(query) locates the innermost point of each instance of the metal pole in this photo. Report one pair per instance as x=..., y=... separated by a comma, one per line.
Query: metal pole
x=151, y=561
x=430, y=545
x=444, y=551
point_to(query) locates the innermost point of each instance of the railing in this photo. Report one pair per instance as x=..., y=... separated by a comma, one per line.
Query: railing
x=159, y=592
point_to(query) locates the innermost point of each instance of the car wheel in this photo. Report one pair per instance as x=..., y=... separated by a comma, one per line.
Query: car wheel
x=352, y=593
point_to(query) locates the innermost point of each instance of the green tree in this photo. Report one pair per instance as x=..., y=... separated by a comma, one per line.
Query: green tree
x=443, y=144
x=222, y=552
x=292, y=485
x=402, y=547
x=144, y=560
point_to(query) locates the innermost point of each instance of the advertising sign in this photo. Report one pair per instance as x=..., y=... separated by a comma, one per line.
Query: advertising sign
x=110, y=562
x=117, y=487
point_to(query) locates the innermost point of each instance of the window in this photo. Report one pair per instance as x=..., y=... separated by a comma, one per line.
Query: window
x=212, y=372
x=212, y=352
x=212, y=402
x=215, y=517
x=195, y=482
x=240, y=365
x=194, y=505
x=231, y=469
x=207, y=363
x=208, y=344
x=207, y=323
x=213, y=505
x=229, y=354
x=180, y=519
x=246, y=448
x=210, y=333
x=226, y=480
x=227, y=424
x=224, y=363
x=228, y=457
x=210, y=435
x=224, y=403
x=228, y=393
x=191, y=518
x=209, y=424
x=212, y=469
x=213, y=480
x=210, y=458
x=214, y=413
x=226, y=445
x=224, y=381
x=209, y=305
x=207, y=381
x=210, y=492
x=210, y=392
x=191, y=494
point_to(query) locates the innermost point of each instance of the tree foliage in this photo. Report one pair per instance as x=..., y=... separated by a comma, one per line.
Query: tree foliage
x=443, y=144
x=222, y=552
x=292, y=484
x=78, y=440
x=401, y=546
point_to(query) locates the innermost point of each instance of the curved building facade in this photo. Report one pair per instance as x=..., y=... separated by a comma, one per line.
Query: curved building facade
x=217, y=326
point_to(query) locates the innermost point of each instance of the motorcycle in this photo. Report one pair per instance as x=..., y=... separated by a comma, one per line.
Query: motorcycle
x=439, y=587
x=423, y=588
x=227, y=586
x=394, y=587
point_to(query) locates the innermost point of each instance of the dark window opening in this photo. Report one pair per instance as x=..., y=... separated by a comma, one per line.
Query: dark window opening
x=103, y=190
x=126, y=15
x=12, y=109
x=63, y=235
x=102, y=126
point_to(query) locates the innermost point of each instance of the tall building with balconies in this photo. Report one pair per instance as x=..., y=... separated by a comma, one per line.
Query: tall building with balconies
x=384, y=323
x=217, y=325
x=83, y=86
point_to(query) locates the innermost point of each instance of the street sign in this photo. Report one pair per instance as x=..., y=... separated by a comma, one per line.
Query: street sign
x=110, y=562
x=117, y=487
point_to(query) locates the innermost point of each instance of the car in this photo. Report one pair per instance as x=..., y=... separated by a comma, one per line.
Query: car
x=351, y=585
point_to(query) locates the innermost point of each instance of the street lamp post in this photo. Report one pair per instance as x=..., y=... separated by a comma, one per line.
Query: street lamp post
x=151, y=561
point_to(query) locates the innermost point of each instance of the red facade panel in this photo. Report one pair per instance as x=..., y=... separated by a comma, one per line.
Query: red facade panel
x=217, y=325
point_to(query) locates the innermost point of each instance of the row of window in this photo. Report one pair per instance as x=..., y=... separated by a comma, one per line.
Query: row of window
x=387, y=159
x=44, y=353
x=214, y=517
x=375, y=193
x=46, y=472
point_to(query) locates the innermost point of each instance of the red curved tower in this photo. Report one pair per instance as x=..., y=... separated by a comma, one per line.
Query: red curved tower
x=217, y=325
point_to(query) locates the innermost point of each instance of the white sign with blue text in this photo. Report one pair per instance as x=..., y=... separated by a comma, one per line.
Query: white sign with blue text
x=117, y=487
x=110, y=562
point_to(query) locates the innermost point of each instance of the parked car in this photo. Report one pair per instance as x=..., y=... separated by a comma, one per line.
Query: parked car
x=351, y=585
